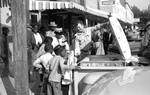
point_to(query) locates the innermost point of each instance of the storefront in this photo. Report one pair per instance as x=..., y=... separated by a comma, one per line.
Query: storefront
x=65, y=13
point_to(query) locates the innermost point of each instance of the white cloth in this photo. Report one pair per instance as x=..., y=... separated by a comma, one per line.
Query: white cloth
x=38, y=38
x=100, y=48
x=55, y=42
x=82, y=39
x=62, y=42
x=44, y=59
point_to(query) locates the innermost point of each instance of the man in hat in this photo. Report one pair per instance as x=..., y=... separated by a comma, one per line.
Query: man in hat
x=51, y=29
x=83, y=42
x=61, y=39
x=51, y=33
x=145, y=45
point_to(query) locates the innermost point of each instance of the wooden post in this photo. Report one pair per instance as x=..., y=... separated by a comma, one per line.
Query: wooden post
x=86, y=21
x=70, y=28
x=0, y=20
x=20, y=46
x=39, y=17
x=27, y=12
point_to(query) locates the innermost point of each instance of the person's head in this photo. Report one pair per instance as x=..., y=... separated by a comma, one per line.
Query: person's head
x=48, y=48
x=58, y=33
x=60, y=50
x=35, y=28
x=48, y=40
x=52, y=26
x=80, y=26
x=42, y=30
x=5, y=31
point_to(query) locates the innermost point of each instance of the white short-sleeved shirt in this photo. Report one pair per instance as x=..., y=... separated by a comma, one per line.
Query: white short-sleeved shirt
x=44, y=59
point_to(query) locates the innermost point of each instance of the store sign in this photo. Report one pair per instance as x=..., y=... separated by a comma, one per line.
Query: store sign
x=108, y=2
x=5, y=16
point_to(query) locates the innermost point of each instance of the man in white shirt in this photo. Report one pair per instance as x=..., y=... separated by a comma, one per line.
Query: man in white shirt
x=42, y=63
x=43, y=60
x=38, y=37
x=51, y=33
x=83, y=39
x=61, y=40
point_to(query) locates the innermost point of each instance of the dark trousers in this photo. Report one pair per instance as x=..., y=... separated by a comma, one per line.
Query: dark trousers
x=6, y=66
x=65, y=89
x=106, y=46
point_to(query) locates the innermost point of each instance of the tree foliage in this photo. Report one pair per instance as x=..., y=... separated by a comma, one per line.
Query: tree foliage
x=136, y=11
x=144, y=15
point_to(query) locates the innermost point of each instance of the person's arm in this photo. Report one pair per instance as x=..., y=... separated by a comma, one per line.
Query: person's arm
x=41, y=51
x=98, y=26
x=65, y=67
x=77, y=47
x=37, y=62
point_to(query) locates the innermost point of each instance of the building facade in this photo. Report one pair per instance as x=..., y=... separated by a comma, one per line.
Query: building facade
x=65, y=13
x=118, y=8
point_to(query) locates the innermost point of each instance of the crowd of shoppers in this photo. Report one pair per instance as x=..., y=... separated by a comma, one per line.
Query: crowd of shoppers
x=49, y=52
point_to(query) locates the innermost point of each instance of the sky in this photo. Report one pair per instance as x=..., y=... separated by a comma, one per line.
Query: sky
x=141, y=4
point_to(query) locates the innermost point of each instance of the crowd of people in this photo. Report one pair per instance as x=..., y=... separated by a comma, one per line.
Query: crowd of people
x=47, y=57
x=50, y=55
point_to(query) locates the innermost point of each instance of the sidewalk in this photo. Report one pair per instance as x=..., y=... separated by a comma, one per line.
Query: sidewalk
x=6, y=82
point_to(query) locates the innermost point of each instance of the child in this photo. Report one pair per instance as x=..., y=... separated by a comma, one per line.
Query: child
x=57, y=67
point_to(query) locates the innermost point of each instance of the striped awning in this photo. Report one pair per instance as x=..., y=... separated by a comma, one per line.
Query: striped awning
x=97, y=12
x=5, y=3
x=50, y=5
x=44, y=5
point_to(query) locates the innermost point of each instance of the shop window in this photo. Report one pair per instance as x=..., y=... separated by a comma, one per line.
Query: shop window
x=34, y=18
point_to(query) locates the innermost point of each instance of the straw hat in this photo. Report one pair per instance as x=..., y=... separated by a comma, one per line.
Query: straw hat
x=52, y=24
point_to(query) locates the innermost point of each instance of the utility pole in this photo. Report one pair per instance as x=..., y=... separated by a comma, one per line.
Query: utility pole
x=19, y=19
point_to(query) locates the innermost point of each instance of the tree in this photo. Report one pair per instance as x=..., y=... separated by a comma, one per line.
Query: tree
x=144, y=15
x=136, y=11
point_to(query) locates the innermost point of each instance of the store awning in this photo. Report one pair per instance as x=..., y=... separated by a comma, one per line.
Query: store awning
x=97, y=12
x=4, y=3
x=45, y=5
x=51, y=5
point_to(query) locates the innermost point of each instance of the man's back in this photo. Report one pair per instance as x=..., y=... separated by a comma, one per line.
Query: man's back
x=56, y=70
